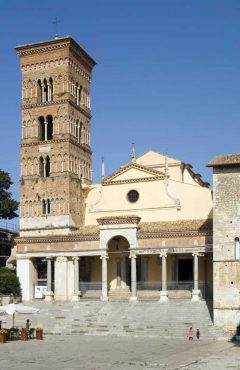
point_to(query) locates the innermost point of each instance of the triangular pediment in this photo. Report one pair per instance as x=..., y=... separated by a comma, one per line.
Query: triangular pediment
x=132, y=173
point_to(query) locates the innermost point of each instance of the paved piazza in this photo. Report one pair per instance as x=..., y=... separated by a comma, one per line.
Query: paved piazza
x=112, y=352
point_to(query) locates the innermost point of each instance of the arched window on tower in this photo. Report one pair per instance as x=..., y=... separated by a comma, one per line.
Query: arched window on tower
x=77, y=94
x=50, y=92
x=48, y=207
x=237, y=248
x=44, y=167
x=49, y=127
x=47, y=164
x=39, y=91
x=45, y=91
x=41, y=167
x=44, y=207
x=41, y=128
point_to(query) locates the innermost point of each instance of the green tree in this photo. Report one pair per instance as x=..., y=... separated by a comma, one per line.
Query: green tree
x=8, y=206
x=9, y=282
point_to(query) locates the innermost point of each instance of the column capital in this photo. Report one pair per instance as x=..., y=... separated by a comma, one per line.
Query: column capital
x=104, y=257
x=132, y=255
x=61, y=259
x=75, y=258
x=198, y=254
x=163, y=254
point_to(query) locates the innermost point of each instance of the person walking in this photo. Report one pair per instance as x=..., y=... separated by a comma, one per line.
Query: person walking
x=190, y=333
x=198, y=333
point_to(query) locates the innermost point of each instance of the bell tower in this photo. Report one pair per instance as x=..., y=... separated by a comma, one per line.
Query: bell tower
x=55, y=148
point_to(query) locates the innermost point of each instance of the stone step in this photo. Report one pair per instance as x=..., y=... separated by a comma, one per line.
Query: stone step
x=144, y=318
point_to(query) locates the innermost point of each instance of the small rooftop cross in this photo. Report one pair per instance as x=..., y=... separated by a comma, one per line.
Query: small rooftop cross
x=56, y=27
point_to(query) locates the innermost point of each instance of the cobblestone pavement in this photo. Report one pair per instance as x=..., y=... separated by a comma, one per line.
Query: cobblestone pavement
x=123, y=353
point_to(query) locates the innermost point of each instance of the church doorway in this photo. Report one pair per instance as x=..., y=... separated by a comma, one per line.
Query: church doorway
x=185, y=269
x=119, y=265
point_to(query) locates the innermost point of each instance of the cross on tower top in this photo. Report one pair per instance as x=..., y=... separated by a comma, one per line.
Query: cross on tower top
x=56, y=22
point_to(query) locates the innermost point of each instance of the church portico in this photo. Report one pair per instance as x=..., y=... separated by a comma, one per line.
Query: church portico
x=117, y=263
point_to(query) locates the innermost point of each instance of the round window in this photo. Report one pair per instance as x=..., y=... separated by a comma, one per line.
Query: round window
x=133, y=196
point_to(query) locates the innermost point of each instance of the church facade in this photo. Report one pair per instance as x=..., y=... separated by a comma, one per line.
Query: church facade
x=145, y=231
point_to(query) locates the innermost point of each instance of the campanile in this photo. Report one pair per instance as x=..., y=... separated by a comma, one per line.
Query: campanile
x=56, y=125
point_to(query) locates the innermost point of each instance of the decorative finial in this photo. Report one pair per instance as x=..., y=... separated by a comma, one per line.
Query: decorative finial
x=56, y=28
x=133, y=154
x=166, y=165
x=103, y=169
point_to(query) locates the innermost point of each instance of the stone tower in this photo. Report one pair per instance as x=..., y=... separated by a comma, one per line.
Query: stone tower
x=55, y=147
x=226, y=236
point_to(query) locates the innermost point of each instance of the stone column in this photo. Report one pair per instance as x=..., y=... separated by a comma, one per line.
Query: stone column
x=43, y=92
x=45, y=131
x=44, y=167
x=76, y=293
x=164, y=292
x=133, y=297
x=104, y=296
x=49, y=92
x=27, y=277
x=195, y=291
x=49, y=292
x=61, y=291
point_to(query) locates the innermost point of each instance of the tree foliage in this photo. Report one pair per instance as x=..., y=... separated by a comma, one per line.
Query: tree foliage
x=9, y=282
x=8, y=206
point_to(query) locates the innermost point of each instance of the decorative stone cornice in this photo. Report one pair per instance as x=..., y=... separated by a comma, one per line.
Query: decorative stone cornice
x=167, y=235
x=84, y=147
x=86, y=112
x=57, y=239
x=60, y=43
x=156, y=175
x=147, y=230
x=132, y=181
x=113, y=220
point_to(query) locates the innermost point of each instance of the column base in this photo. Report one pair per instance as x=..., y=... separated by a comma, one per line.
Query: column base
x=104, y=299
x=163, y=296
x=76, y=297
x=196, y=295
x=133, y=299
x=49, y=296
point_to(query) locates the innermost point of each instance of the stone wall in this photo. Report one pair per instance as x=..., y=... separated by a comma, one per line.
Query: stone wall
x=226, y=227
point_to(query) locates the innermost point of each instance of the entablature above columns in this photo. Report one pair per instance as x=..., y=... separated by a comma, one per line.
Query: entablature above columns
x=176, y=250
x=99, y=252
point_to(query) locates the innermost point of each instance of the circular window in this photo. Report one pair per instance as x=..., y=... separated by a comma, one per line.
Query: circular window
x=133, y=196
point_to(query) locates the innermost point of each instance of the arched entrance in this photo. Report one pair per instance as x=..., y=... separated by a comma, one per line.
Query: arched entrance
x=119, y=267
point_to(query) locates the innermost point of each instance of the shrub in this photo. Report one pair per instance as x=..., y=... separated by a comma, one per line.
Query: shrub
x=9, y=282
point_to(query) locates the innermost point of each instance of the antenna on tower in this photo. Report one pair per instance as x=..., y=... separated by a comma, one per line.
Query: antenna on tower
x=56, y=22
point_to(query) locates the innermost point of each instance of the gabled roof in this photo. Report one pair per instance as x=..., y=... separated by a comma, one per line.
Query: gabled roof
x=145, y=174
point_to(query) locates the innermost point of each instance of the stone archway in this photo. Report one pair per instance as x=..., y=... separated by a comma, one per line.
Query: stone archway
x=125, y=228
x=119, y=267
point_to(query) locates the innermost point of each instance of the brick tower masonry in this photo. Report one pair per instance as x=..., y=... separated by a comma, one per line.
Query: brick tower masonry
x=226, y=234
x=55, y=148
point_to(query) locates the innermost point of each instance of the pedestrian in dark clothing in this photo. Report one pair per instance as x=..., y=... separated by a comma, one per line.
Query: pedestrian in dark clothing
x=198, y=333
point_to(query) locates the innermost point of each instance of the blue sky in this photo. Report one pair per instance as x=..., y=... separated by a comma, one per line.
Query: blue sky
x=167, y=76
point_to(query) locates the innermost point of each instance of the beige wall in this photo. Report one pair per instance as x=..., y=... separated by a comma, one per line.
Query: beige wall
x=154, y=204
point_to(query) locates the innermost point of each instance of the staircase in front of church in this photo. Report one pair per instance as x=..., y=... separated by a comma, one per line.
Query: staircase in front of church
x=119, y=294
x=171, y=319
